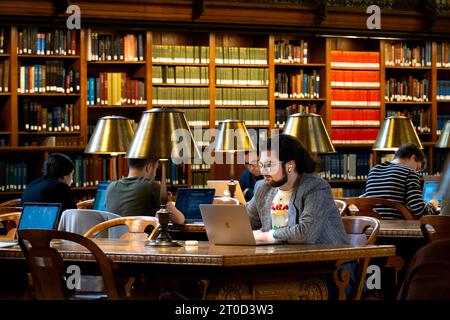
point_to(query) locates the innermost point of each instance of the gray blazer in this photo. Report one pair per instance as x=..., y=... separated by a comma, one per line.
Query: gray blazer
x=313, y=217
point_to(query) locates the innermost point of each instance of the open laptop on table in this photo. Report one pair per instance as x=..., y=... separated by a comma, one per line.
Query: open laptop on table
x=221, y=187
x=229, y=225
x=37, y=216
x=100, y=196
x=188, y=201
x=430, y=189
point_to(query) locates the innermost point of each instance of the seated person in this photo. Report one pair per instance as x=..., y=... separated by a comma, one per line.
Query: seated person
x=138, y=194
x=292, y=203
x=427, y=276
x=54, y=186
x=251, y=174
x=399, y=181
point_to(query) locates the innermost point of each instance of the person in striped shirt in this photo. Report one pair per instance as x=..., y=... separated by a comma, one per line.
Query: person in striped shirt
x=399, y=181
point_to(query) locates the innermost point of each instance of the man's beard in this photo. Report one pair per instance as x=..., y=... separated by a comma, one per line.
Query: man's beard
x=279, y=183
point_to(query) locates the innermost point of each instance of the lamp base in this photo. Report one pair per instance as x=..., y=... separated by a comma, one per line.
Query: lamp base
x=232, y=187
x=162, y=243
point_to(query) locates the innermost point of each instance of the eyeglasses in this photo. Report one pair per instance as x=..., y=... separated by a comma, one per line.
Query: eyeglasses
x=269, y=165
x=251, y=164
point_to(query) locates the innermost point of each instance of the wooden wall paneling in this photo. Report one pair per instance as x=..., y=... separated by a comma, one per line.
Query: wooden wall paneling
x=14, y=141
x=83, y=92
x=149, y=69
x=327, y=119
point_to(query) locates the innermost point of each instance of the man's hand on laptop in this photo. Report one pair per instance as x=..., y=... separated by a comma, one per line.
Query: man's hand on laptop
x=261, y=236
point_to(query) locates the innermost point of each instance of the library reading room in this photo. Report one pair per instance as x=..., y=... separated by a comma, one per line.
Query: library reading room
x=214, y=150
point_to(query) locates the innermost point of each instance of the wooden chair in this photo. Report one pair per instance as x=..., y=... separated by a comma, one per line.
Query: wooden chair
x=225, y=200
x=10, y=209
x=136, y=227
x=10, y=203
x=365, y=207
x=86, y=204
x=47, y=267
x=10, y=221
x=361, y=231
x=435, y=227
x=341, y=204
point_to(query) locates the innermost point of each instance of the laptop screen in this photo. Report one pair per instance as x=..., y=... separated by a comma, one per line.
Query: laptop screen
x=39, y=216
x=189, y=200
x=100, y=196
x=430, y=189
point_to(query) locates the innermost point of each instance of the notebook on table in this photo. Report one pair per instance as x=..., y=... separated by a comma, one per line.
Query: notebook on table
x=100, y=196
x=189, y=199
x=37, y=216
x=229, y=225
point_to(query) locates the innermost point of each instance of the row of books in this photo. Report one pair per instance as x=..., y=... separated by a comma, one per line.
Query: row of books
x=252, y=117
x=180, y=75
x=13, y=176
x=202, y=136
x=175, y=173
x=346, y=192
x=202, y=166
x=441, y=121
x=180, y=54
x=443, y=89
x=89, y=171
x=4, y=76
x=259, y=138
x=355, y=98
x=345, y=78
x=345, y=166
x=53, y=42
x=352, y=135
x=200, y=179
x=58, y=141
x=242, y=97
x=355, y=59
x=115, y=88
x=107, y=47
x=291, y=51
x=197, y=117
x=49, y=77
x=242, y=76
x=186, y=96
x=3, y=40
x=407, y=89
x=439, y=161
x=406, y=54
x=241, y=55
x=419, y=117
x=282, y=114
x=443, y=55
x=36, y=117
x=355, y=117
x=298, y=85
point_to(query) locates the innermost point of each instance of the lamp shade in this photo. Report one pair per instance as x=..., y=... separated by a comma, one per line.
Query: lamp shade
x=394, y=132
x=444, y=139
x=233, y=137
x=310, y=130
x=163, y=133
x=112, y=135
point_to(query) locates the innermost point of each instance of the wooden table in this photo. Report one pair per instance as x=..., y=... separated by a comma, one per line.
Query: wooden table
x=400, y=229
x=290, y=271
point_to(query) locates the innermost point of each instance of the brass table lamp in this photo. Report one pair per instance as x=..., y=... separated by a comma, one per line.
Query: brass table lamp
x=310, y=130
x=444, y=139
x=154, y=138
x=112, y=135
x=394, y=132
x=233, y=137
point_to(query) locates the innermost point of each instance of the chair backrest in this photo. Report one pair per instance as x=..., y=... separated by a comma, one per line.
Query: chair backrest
x=366, y=207
x=11, y=221
x=435, y=227
x=225, y=200
x=341, y=204
x=86, y=204
x=10, y=209
x=10, y=203
x=357, y=229
x=46, y=264
x=136, y=227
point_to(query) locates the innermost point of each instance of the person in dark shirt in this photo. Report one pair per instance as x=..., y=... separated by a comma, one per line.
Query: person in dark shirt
x=249, y=177
x=427, y=277
x=54, y=186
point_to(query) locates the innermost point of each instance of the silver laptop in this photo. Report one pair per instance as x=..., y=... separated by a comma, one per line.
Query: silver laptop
x=229, y=225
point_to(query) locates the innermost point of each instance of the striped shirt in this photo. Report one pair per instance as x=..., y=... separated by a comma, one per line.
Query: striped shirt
x=397, y=182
